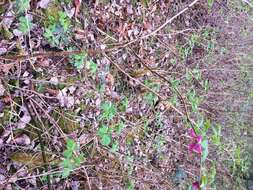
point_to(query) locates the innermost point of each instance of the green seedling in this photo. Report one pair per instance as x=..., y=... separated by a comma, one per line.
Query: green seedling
x=124, y=104
x=22, y=5
x=25, y=24
x=57, y=29
x=108, y=111
x=78, y=60
x=71, y=161
x=149, y=97
x=105, y=135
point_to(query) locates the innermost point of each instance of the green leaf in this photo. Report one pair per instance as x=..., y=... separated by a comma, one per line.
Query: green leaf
x=25, y=24
x=204, y=154
x=207, y=125
x=106, y=140
x=102, y=130
x=119, y=127
x=210, y=4
x=203, y=181
x=22, y=5
x=78, y=160
x=71, y=145
x=67, y=153
x=66, y=172
x=115, y=147
x=108, y=110
x=93, y=67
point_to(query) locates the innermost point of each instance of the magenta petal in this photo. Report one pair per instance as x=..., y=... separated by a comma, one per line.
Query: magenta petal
x=197, y=148
x=192, y=133
x=199, y=139
x=194, y=147
x=196, y=185
x=191, y=147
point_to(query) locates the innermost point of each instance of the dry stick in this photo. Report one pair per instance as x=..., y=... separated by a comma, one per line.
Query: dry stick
x=140, y=83
x=41, y=142
x=166, y=80
x=51, y=119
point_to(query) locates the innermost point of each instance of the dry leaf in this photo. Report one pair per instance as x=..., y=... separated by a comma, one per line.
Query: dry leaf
x=43, y=4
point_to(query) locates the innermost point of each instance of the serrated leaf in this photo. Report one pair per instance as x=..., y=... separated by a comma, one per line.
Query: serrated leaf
x=71, y=145
x=67, y=153
x=115, y=147
x=106, y=140
x=102, y=130
x=66, y=172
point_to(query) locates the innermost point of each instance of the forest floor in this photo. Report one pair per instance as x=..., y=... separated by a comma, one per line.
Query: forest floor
x=126, y=94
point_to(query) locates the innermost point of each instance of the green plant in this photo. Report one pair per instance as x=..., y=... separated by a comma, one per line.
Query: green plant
x=124, y=104
x=25, y=24
x=216, y=137
x=71, y=161
x=57, y=29
x=105, y=135
x=92, y=66
x=22, y=5
x=108, y=111
x=78, y=60
x=194, y=100
x=210, y=4
x=149, y=97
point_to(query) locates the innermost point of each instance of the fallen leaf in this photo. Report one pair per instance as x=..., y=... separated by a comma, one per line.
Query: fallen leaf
x=25, y=119
x=43, y=4
x=23, y=140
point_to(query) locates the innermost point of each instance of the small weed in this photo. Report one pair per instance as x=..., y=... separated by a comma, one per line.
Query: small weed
x=78, y=60
x=105, y=135
x=57, y=29
x=124, y=104
x=108, y=111
x=92, y=66
x=194, y=100
x=25, y=24
x=71, y=161
x=149, y=97
x=22, y=5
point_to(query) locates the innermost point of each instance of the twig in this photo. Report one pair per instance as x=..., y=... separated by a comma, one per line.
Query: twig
x=163, y=25
x=140, y=83
x=166, y=80
x=88, y=180
x=40, y=140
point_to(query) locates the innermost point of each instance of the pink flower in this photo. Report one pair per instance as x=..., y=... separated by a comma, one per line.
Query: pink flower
x=196, y=185
x=196, y=145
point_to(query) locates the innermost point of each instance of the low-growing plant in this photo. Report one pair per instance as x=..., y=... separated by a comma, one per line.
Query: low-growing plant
x=108, y=111
x=194, y=100
x=105, y=135
x=78, y=60
x=25, y=24
x=22, y=5
x=71, y=160
x=149, y=97
x=57, y=29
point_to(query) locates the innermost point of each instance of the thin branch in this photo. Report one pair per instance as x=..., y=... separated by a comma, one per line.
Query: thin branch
x=166, y=80
x=143, y=85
